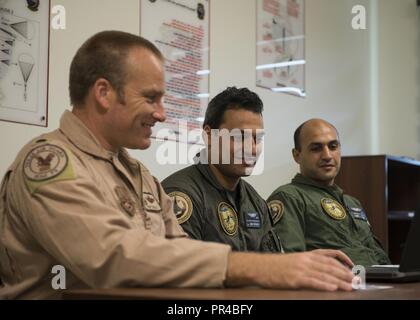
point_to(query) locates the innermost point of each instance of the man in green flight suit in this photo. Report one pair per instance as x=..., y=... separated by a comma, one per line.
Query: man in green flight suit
x=312, y=212
x=211, y=201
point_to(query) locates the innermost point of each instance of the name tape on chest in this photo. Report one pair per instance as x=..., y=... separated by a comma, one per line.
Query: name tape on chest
x=253, y=220
x=359, y=214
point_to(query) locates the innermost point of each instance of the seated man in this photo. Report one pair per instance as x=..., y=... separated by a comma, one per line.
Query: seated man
x=217, y=205
x=312, y=212
x=74, y=199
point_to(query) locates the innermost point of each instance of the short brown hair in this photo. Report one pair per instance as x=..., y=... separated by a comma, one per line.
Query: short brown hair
x=103, y=56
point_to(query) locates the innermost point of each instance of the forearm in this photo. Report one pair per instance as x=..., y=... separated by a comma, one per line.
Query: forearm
x=247, y=269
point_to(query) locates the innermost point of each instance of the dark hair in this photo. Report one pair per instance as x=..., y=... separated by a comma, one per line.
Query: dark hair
x=231, y=98
x=103, y=56
x=296, y=135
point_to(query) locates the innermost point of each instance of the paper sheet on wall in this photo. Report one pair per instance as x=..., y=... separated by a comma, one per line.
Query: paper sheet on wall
x=24, y=44
x=281, y=46
x=180, y=29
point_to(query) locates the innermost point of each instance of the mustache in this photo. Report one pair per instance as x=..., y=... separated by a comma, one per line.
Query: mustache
x=327, y=163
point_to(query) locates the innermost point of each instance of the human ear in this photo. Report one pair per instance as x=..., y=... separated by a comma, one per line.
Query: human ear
x=296, y=155
x=104, y=93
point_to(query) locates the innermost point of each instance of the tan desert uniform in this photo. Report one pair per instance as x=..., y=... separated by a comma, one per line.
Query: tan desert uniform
x=67, y=201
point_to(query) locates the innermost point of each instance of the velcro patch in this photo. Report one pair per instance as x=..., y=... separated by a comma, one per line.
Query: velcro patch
x=182, y=206
x=360, y=214
x=150, y=203
x=45, y=164
x=228, y=218
x=253, y=220
x=126, y=201
x=276, y=210
x=334, y=209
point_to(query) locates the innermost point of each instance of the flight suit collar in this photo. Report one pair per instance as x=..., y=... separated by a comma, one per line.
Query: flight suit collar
x=75, y=130
x=334, y=189
x=209, y=176
x=244, y=201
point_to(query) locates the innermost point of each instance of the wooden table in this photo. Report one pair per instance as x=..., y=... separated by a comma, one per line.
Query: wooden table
x=409, y=291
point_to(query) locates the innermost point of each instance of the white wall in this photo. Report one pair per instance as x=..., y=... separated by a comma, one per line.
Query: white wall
x=399, y=78
x=338, y=77
x=83, y=18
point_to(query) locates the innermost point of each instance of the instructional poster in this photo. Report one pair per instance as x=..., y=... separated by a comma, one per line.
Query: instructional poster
x=281, y=46
x=24, y=44
x=180, y=29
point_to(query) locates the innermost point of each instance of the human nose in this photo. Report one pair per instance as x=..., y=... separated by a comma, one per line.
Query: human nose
x=252, y=145
x=160, y=114
x=326, y=153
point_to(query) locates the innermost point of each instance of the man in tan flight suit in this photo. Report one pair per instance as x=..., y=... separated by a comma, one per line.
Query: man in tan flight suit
x=75, y=198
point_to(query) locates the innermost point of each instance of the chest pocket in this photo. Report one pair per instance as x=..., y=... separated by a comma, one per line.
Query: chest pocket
x=320, y=227
x=271, y=243
x=152, y=212
x=126, y=200
x=151, y=196
x=361, y=220
x=150, y=203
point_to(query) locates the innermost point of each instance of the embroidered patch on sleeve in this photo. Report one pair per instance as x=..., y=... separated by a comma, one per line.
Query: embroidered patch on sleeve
x=276, y=210
x=182, y=206
x=45, y=164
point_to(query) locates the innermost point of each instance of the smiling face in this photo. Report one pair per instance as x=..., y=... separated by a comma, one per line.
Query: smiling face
x=245, y=130
x=319, y=156
x=129, y=123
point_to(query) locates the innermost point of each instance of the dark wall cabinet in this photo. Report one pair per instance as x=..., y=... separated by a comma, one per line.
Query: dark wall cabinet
x=388, y=188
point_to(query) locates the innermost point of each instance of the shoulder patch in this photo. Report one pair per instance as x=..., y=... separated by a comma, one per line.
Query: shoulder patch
x=276, y=210
x=228, y=218
x=182, y=206
x=45, y=164
x=334, y=209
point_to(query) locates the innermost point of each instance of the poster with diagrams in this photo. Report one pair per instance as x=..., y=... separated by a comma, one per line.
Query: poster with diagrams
x=24, y=44
x=281, y=46
x=180, y=29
